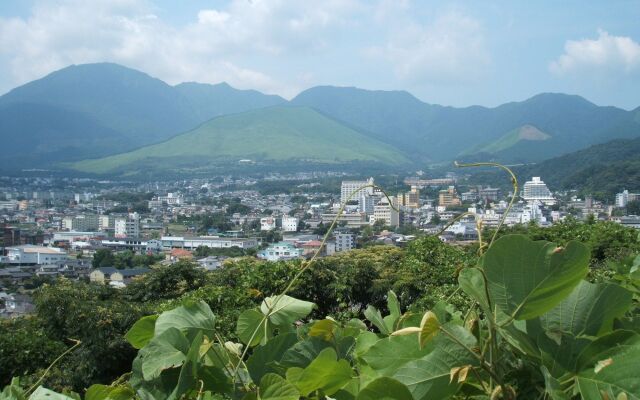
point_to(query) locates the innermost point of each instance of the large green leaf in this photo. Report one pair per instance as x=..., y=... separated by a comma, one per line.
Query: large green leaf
x=251, y=327
x=600, y=348
x=589, y=309
x=387, y=355
x=364, y=341
x=304, y=352
x=385, y=388
x=275, y=387
x=527, y=278
x=559, y=353
x=326, y=372
x=167, y=350
x=13, y=391
x=189, y=371
x=472, y=283
x=45, y=394
x=189, y=319
x=393, y=304
x=429, y=376
x=552, y=386
x=283, y=310
x=374, y=316
x=142, y=331
x=611, y=371
x=263, y=357
x=104, y=392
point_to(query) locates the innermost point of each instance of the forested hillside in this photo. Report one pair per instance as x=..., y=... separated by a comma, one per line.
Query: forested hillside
x=601, y=170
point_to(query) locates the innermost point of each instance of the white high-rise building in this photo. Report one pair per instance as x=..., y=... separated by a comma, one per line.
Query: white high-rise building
x=127, y=226
x=536, y=190
x=622, y=199
x=350, y=187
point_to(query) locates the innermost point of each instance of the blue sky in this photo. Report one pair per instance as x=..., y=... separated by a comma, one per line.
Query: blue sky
x=456, y=53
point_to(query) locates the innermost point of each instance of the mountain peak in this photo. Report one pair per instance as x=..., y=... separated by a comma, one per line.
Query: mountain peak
x=554, y=98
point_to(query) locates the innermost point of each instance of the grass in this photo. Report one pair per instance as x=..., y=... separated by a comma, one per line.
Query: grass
x=275, y=133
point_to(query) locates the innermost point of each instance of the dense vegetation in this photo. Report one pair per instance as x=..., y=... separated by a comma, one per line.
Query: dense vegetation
x=486, y=334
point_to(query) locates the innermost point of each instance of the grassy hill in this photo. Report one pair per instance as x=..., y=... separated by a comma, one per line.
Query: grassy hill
x=276, y=133
x=526, y=133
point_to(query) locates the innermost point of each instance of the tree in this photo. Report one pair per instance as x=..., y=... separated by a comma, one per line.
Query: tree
x=167, y=282
x=103, y=258
x=633, y=207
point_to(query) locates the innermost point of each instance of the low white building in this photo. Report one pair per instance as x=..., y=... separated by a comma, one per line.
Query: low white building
x=35, y=255
x=192, y=243
x=280, y=251
x=267, y=224
x=289, y=224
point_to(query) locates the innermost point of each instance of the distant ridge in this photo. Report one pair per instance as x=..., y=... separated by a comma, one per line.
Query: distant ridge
x=95, y=110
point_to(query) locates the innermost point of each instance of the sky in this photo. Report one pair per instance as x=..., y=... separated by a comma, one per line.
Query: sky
x=456, y=53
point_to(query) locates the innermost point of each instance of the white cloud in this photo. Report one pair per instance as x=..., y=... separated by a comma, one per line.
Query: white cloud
x=607, y=53
x=219, y=45
x=451, y=48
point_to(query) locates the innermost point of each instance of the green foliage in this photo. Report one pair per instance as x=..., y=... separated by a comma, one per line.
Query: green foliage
x=25, y=347
x=527, y=278
x=167, y=282
x=103, y=258
x=98, y=317
x=527, y=323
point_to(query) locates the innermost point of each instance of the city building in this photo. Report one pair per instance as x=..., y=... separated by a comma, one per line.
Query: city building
x=489, y=194
x=387, y=212
x=171, y=199
x=449, y=197
x=267, y=224
x=82, y=222
x=128, y=226
x=348, y=188
x=280, y=251
x=116, y=277
x=349, y=220
x=289, y=224
x=410, y=199
x=536, y=190
x=623, y=198
x=211, y=263
x=35, y=255
x=344, y=241
x=169, y=242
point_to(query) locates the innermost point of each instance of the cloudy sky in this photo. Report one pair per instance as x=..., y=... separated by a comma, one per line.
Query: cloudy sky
x=454, y=53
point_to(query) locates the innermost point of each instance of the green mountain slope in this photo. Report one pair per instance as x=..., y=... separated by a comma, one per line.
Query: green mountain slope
x=276, y=133
x=602, y=170
x=114, y=107
x=434, y=133
x=526, y=133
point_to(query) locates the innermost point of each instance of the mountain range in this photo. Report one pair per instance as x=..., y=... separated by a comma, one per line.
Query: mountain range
x=106, y=118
